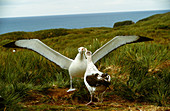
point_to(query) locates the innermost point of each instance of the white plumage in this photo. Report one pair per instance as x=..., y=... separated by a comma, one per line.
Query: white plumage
x=76, y=67
x=95, y=81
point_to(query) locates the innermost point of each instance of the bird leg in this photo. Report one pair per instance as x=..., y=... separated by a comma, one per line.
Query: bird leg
x=91, y=102
x=101, y=98
x=97, y=97
x=71, y=85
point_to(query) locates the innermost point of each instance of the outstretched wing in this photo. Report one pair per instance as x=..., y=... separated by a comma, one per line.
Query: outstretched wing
x=115, y=43
x=39, y=47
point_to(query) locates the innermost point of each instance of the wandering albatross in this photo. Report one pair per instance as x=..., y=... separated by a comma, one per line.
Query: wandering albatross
x=76, y=67
x=95, y=81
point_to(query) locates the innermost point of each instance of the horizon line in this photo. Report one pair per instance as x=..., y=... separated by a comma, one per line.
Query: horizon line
x=83, y=13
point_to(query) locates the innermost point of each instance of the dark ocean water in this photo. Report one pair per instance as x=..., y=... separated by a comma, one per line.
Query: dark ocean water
x=71, y=21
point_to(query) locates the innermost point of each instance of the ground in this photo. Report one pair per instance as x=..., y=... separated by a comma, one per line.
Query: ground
x=58, y=99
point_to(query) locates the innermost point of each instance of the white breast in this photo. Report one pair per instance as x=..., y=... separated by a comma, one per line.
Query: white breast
x=78, y=68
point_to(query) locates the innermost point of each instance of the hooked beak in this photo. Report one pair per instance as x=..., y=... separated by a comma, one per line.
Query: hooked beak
x=85, y=50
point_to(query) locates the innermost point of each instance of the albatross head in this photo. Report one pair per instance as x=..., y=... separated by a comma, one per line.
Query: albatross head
x=88, y=54
x=81, y=50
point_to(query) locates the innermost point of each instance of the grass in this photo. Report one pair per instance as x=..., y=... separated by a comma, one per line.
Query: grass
x=140, y=72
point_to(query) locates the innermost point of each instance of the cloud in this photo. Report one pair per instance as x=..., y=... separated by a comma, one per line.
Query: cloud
x=59, y=7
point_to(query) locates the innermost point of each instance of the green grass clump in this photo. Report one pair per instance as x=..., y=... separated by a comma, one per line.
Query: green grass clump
x=127, y=22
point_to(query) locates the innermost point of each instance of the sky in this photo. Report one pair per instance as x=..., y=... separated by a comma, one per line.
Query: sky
x=23, y=8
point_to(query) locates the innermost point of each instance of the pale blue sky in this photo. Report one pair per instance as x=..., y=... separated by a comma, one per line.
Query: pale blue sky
x=18, y=8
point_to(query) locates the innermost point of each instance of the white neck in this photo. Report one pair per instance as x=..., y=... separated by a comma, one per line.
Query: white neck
x=80, y=56
x=89, y=59
x=90, y=66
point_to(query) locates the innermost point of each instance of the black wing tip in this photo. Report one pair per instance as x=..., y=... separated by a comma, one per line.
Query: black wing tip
x=10, y=45
x=142, y=39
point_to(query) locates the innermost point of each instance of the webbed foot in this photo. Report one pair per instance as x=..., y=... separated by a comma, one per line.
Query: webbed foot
x=90, y=103
x=71, y=90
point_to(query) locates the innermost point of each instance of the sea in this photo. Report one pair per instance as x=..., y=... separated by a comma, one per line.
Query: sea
x=74, y=21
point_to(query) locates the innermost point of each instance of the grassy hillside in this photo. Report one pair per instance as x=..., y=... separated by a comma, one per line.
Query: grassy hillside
x=140, y=72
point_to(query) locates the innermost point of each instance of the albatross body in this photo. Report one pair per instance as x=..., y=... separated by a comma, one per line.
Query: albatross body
x=76, y=67
x=95, y=81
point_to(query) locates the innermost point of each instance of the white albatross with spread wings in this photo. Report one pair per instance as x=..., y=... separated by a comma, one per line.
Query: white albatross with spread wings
x=76, y=67
x=95, y=81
